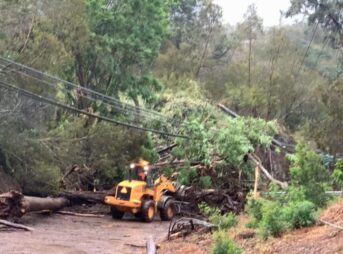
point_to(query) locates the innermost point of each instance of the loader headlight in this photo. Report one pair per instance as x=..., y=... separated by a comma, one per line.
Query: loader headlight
x=132, y=165
x=146, y=167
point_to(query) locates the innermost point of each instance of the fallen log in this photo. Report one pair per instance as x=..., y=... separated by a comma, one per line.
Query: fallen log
x=331, y=224
x=78, y=197
x=184, y=226
x=15, y=225
x=14, y=204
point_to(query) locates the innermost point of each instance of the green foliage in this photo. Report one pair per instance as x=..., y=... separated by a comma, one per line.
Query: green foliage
x=224, y=245
x=273, y=218
x=119, y=45
x=337, y=174
x=222, y=222
x=42, y=181
x=205, y=182
x=212, y=133
x=254, y=208
x=326, y=13
x=197, y=146
x=307, y=171
x=281, y=212
x=272, y=223
x=168, y=172
x=147, y=150
x=186, y=176
x=299, y=214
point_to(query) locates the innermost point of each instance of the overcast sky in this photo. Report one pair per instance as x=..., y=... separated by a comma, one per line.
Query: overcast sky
x=268, y=10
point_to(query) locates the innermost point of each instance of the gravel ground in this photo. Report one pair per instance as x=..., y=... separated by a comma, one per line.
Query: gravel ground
x=61, y=234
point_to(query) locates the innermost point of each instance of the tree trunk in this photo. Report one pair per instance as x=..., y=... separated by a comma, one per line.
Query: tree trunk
x=257, y=176
x=78, y=197
x=249, y=62
x=14, y=204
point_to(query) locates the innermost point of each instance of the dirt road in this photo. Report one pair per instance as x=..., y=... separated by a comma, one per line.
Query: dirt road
x=58, y=234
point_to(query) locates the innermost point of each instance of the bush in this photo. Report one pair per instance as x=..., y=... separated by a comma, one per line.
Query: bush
x=225, y=221
x=186, y=176
x=308, y=171
x=42, y=181
x=273, y=217
x=299, y=214
x=224, y=245
x=205, y=182
x=272, y=222
x=337, y=174
x=254, y=208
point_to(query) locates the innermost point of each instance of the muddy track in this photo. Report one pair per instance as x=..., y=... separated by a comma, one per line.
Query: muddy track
x=58, y=234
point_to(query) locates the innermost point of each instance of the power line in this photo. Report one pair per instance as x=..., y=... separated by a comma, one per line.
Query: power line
x=90, y=94
x=83, y=96
x=103, y=97
x=325, y=42
x=309, y=46
x=61, y=105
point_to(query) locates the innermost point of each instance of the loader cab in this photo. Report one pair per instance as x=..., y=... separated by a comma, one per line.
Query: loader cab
x=139, y=172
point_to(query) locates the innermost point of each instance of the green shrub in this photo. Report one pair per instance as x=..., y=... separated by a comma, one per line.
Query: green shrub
x=205, y=182
x=44, y=180
x=186, y=176
x=337, y=174
x=254, y=208
x=299, y=214
x=224, y=245
x=168, y=172
x=307, y=171
x=272, y=223
x=253, y=223
x=295, y=194
x=225, y=221
x=274, y=217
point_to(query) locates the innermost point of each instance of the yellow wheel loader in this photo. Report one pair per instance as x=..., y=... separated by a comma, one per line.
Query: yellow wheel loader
x=143, y=195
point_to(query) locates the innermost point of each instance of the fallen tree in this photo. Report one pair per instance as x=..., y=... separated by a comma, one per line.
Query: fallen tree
x=258, y=163
x=79, y=197
x=184, y=226
x=14, y=204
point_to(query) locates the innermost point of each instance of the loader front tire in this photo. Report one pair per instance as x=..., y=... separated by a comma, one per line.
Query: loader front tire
x=148, y=210
x=116, y=214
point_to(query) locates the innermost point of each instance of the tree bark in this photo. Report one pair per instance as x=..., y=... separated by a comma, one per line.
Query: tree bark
x=14, y=204
x=78, y=197
x=257, y=176
x=249, y=62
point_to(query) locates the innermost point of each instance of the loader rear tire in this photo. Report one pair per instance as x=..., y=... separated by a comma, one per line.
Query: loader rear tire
x=116, y=214
x=148, y=211
x=168, y=211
